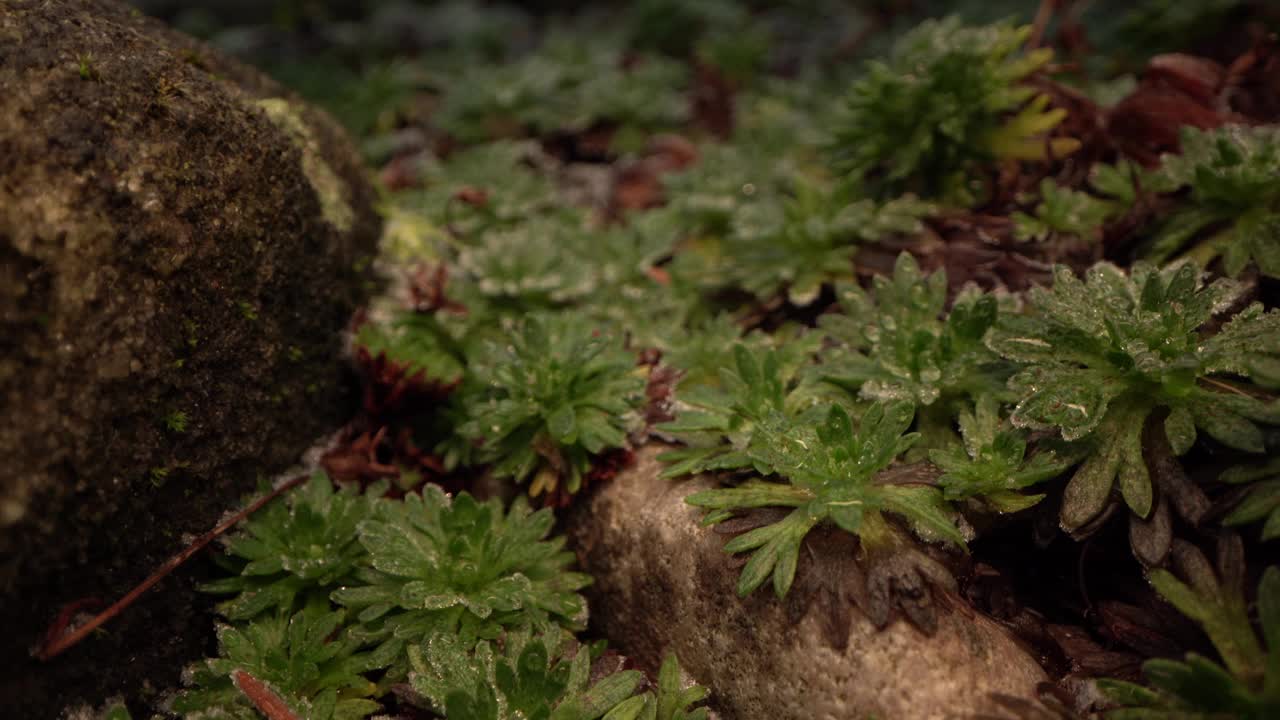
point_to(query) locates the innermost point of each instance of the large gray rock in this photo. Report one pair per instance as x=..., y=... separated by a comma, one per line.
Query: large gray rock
x=663, y=584
x=181, y=243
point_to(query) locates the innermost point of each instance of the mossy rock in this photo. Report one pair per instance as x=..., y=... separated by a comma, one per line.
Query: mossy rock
x=182, y=242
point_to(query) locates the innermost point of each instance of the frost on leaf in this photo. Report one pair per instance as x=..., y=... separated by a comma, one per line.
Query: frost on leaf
x=459, y=565
x=1097, y=355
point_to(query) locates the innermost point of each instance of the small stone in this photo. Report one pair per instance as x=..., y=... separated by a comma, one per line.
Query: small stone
x=664, y=585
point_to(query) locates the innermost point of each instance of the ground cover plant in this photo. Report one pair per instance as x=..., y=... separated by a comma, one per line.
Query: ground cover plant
x=941, y=290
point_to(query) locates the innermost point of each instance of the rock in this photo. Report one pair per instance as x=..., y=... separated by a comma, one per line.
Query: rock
x=181, y=243
x=663, y=584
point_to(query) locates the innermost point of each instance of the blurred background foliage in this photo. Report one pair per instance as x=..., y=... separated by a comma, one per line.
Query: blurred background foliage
x=361, y=58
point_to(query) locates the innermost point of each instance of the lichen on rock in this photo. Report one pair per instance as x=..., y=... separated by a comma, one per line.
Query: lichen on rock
x=328, y=188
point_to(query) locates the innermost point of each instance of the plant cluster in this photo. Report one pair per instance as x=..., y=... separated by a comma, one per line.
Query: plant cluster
x=1229, y=173
x=309, y=661
x=399, y=571
x=1063, y=212
x=949, y=100
x=831, y=477
x=897, y=343
x=1248, y=687
x=543, y=676
x=291, y=553
x=1099, y=355
x=807, y=239
x=566, y=85
x=753, y=321
x=547, y=399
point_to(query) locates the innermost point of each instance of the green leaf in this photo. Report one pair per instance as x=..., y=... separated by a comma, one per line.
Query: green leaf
x=1133, y=479
x=1180, y=429
x=750, y=495
x=1089, y=489
x=1197, y=687
x=1064, y=211
x=718, y=423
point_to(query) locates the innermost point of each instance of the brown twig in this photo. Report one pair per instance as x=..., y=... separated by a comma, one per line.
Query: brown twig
x=60, y=642
x=1038, y=26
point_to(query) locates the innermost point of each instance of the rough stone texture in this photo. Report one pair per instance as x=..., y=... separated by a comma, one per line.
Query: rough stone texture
x=663, y=584
x=181, y=241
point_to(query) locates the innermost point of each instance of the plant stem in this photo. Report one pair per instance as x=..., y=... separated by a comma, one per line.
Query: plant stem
x=59, y=642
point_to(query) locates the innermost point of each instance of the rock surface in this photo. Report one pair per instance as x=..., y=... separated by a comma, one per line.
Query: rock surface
x=181, y=243
x=663, y=584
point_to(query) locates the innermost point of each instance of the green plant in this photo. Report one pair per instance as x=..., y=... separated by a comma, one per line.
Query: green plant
x=1230, y=172
x=365, y=101
x=458, y=565
x=86, y=66
x=829, y=473
x=556, y=261
x=498, y=184
x=1262, y=499
x=308, y=660
x=698, y=354
x=718, y=423
x=545, y=400
x=567, y=84
x=643, y=96
x=177, y=421
x=726, y=178
x=675, y=27
x=653, y=305
x=991, y=464
x=1197, y=688
x=1098, y=356
x=1065, y=212
x=897, y=343
x=809, y=238
x=948, y=101
x=295, y=550
x=488, y=101
x=521, y=678
x=537, y=264
x=669, y=701
x=419, y=342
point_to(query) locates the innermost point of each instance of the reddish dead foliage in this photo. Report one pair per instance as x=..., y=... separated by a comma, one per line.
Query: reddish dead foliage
x=392, y=387
x=638, y=185
x=366, y=457
x=604, y=467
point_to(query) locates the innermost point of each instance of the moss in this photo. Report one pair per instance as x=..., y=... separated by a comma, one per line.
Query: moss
x=176, y=421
